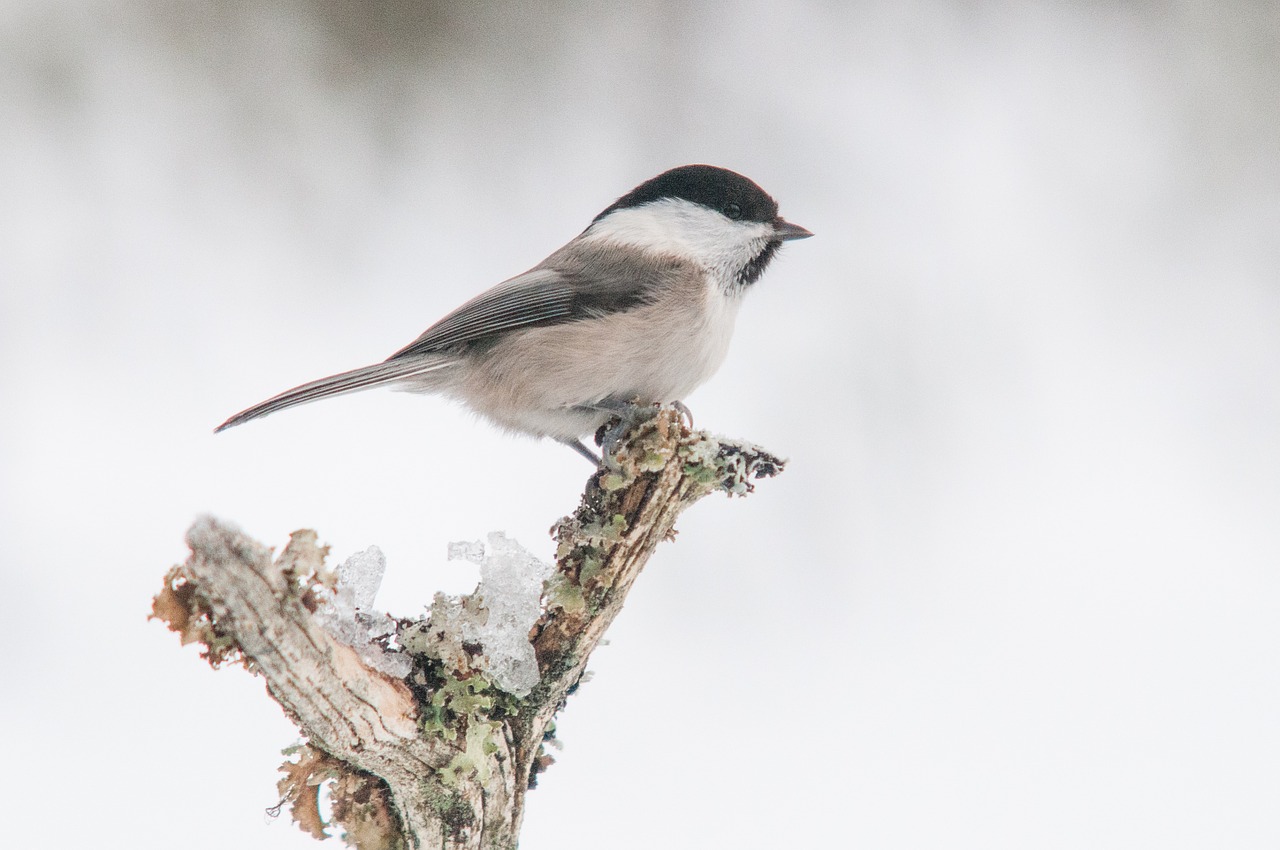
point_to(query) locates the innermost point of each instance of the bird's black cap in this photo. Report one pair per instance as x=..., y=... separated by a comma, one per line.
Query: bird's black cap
x=719, y=189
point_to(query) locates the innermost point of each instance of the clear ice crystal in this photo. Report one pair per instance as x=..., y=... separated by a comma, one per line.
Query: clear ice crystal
x=510, y=592
x=467, y=550
x=351, y=618
x=360, y=576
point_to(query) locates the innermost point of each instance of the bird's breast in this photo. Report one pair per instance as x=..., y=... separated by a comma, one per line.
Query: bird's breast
x=656, y=352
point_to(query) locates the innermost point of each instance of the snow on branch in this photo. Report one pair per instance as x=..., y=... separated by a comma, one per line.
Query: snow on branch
x=429, y=731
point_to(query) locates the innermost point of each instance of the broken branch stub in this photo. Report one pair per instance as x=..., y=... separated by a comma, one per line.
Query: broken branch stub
x=443, y=756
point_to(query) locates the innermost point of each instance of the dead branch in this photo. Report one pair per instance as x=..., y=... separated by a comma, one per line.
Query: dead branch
x=443, y=756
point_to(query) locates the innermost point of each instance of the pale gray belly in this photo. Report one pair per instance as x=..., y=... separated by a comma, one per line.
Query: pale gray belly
x=537, y=381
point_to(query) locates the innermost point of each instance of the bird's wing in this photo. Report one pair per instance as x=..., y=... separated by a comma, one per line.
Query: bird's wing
x=580, y=282
x=559, y=290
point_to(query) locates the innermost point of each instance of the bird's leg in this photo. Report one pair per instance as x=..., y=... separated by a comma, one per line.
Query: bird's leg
x=578, y=447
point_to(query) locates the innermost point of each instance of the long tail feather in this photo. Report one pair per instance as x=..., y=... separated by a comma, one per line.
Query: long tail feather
x=390, y=372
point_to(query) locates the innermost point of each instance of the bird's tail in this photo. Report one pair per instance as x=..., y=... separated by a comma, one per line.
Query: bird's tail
x=415, y=369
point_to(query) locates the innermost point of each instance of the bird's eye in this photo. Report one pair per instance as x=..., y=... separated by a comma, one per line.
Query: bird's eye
x=733, y=211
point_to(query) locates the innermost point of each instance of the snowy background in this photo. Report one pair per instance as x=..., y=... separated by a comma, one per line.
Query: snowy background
x=1019, y=587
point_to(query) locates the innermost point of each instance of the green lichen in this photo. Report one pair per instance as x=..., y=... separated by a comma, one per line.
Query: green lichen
x=652, y=461
x=562, y=594
x=701, y=473
x=613, y=481
x=481, y=742
x=454, y=701
x=600, y=532
x=469, y=706
x=590, y=567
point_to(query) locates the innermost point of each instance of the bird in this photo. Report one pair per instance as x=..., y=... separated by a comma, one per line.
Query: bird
x=636, y=310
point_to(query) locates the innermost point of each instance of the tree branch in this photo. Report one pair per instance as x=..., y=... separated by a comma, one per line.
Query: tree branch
x=442, y=756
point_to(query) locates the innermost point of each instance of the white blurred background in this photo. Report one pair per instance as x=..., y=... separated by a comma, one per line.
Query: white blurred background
x=1019, y=586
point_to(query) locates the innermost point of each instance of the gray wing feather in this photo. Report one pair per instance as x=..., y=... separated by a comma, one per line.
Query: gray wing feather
x=577, y=282
x=540, y=296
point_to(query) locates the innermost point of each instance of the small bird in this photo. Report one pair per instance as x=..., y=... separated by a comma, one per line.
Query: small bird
x=638, y=309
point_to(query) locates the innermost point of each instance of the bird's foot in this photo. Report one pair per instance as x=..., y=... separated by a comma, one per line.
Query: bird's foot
x=623, y=417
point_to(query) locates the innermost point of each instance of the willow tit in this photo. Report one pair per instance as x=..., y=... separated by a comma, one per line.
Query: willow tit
x=637, y=309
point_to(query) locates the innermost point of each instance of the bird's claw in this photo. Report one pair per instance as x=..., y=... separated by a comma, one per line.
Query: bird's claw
x=685, y=413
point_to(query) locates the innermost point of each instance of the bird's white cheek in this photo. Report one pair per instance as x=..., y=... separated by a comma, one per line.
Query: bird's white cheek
x=675, y=226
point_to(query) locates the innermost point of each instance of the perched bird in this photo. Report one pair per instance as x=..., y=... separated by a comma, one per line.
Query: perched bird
x=638, y=309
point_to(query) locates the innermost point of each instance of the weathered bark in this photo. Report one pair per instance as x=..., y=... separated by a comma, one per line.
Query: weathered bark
x=441, y=759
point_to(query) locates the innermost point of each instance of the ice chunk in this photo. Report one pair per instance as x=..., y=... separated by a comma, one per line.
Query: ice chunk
x=467, y=550
x=510, y=592
x=351, y=618
x=360, y=576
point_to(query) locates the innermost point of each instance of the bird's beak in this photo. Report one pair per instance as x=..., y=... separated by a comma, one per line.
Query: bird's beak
x=784, y=230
